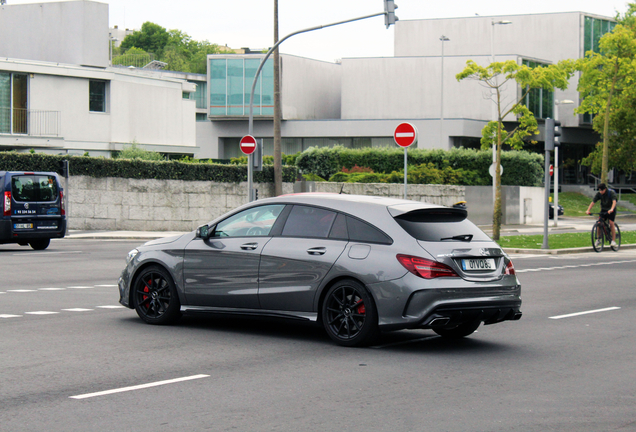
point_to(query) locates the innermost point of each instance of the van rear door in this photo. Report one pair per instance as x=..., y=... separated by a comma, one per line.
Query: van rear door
x=36, y=202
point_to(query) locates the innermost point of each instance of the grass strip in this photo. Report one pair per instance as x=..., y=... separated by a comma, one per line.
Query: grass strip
x=558, y=241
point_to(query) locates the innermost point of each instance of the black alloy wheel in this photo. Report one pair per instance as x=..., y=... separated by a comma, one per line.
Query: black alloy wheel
x=618, y=239
x=597, y=237
x=40, y=244
x=155, y=297
x=349, y=314
x=460, y=331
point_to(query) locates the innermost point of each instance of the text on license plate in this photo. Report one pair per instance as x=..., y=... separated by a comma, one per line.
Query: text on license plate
x=22, y=226
x=487, y=264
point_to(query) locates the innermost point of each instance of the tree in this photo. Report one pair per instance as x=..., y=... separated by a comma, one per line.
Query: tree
x=151, y=38
x=495, y=77
x=607, y=89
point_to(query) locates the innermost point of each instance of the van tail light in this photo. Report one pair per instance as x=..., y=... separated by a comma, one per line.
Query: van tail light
x=424, y=268
x=62, y=206
x=7, y=204
x=510, y=269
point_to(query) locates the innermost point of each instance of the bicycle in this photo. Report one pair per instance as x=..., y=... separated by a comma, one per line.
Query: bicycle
x=602, y=227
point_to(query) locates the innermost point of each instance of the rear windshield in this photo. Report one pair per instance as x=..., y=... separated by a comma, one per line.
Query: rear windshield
x=34, y=188
x=441, y=225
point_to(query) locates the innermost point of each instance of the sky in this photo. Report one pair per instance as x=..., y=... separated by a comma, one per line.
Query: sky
x=249, y=23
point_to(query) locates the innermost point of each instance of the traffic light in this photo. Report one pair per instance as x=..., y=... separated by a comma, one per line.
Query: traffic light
x=557, y=132
x=63, y=168
x=389, y=13
x=257, y=156
x=549, y=134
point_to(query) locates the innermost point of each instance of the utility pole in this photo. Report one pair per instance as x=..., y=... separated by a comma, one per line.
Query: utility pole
x=278, y=163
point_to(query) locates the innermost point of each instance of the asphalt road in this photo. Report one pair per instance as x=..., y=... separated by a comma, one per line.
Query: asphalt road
x=72, y=360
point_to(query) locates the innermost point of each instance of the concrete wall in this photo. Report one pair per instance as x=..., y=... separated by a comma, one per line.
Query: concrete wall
x=153, y=205
x=521, y=205
x=62, y=32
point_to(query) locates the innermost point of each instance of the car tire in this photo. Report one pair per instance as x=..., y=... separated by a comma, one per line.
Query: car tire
x=40, y=244
x=349, y=315
x=155, y=296
x=460, y=331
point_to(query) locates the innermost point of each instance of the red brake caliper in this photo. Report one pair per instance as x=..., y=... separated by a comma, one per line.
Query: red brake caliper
x=147, y=290
x=361, y=309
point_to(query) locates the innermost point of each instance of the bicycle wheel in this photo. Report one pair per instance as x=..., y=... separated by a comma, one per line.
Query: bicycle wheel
x=597, y=237
x=618, y=238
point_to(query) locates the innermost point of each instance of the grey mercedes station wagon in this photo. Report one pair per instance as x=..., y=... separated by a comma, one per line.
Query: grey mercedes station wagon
x=357, y=265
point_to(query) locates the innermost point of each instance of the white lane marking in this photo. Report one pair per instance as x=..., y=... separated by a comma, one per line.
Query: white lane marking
x=41, y=313
x=574, y=266
x=21, y=290
x=106, y=286
x=49, y=253
x=51, y=289
x=78, y=310
x=585, y=312
x=9, y=316
x=138, y=387
x=80, y=287
x=110, y=307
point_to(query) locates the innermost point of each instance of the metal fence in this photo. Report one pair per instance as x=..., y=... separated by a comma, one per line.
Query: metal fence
x=20, y=121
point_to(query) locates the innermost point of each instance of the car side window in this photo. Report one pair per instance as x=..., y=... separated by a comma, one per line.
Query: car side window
x=255, y=221
x=363, y=232
x=306, y=221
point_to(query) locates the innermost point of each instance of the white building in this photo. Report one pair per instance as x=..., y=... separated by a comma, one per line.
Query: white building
x=417, y=85
x=58, y=94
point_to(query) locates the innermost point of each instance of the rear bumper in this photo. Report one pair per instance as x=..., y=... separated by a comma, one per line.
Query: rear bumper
x=445, y=303
x=9, y=235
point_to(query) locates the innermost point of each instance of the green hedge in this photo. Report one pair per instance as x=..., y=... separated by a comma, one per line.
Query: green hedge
x=520, y=168
x=139, y=169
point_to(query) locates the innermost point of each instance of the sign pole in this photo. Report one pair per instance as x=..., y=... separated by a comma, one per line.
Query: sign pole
x=248, y=146
x=405, y=135
x=405, y=168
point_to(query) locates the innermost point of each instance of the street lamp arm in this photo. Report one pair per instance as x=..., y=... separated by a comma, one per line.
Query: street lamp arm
x=271, y=50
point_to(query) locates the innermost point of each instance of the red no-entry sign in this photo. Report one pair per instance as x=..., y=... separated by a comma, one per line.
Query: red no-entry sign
x=248, y=144
x=551, y=169
x=405, y=134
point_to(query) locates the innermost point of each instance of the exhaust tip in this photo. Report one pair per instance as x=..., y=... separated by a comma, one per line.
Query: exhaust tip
x=439, y=321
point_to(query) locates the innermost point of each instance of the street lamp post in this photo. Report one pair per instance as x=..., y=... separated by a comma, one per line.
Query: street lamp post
x=441, y=108
x=556, y=162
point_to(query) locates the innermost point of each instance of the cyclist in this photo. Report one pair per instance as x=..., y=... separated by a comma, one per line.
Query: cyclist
x=608, y=207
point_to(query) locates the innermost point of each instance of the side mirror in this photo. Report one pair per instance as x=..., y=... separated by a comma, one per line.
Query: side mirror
x=203, y=232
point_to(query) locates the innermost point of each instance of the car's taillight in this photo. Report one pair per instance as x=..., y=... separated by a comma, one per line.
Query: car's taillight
x=424, y=268
x=7, y=204
x=62, y=207
x=510, y=269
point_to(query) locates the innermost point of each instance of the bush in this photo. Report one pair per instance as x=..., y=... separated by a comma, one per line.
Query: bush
x=470, y=166
x=136, y=152
x=139, y=169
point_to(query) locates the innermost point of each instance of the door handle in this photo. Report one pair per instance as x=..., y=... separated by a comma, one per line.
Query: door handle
x=317, y=251
x=249, y=246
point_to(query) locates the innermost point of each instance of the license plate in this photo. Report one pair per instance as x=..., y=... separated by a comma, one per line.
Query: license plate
x=478, y=264
x=23, y=226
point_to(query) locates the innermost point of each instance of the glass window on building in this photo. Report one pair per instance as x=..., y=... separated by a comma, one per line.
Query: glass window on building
x=594, y=30
x=539, y=101
x=13, y=103
x=97, y=96
x=231, y=85
x=199, y=95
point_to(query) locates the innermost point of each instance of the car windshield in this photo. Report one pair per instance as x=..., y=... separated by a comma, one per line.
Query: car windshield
x=440, y=225
x=34, y=188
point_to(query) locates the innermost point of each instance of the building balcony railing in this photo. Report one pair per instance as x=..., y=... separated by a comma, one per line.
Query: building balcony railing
x=20, y=121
